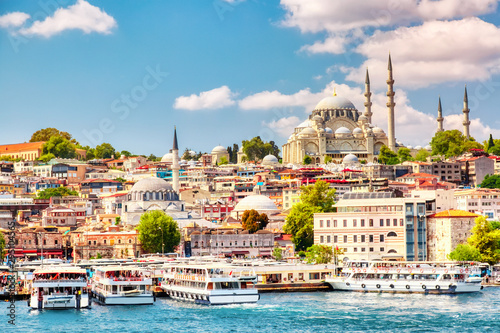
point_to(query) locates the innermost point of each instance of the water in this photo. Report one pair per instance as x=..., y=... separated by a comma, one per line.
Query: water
x=293, y=312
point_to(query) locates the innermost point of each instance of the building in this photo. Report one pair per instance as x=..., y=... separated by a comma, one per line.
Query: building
x=447, y=171
x=447, y=229
x=29, y=151
x=100, y=186
x=219, y=153
x=376, y=225
x=476, y=168
x=260, y=203
x=61, y=216
x=481, y=201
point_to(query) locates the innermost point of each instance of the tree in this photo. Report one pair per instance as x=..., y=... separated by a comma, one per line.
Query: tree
x=104, y=150
x=151, y=227
x=125, y=153
x=118, y=219
x=252, y=221
x=152, y=158
x=486, y=240
x=404, y=154
x=278, y=253
x=55, y=192
x=452, y=143
x=319, y=254
x=307, y=160
x=387, y=156
x=328, y=159
x=46, y=133
x=234, y=157
x=491, y=143
x=492, y=181
x=223, y=160
x=256, y=149
x=47, y=157
x=465, y=252
x=422, y=155
x=59, y=147
x=2, y=245
x=317, y=198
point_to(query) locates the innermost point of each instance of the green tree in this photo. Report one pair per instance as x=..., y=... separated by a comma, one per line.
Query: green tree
x=118, y=219
x=252, y=221
x=278, y=253
x=89, y=152
x=422, y=155
x=152, y=158
x=2, y=245
x=328, y=159
x=256, y=149
x=319, y=254
x=490, y=144
x=404, y=154
x=104, y=150
x=59, y=147
x=223, y=160
x=307, y=160
x=492, y=181
x=47, y=133
x=486, y=240
x=61, y=191
x=125, y=153
x=317, y=198
x=465, y=252
x=151, y=226
x=387, y=156
x=452, y=143
x=47, y=157
x=234, y=157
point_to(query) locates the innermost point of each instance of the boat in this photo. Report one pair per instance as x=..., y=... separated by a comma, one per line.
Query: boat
x=122, y=285
x=59, y=287
x=211, y=284
x=408, y=277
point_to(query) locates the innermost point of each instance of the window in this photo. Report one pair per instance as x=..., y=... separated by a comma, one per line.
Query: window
x=355, y=239
x=370, y=237
x=371, y=249
x=95, y=242
x=345, y=223
x=381, y=222
x=130, y=241
x=345, y=238
x=371, y=222
x=321, y=239
x=355, y=249
x=90, y=242
x=388, y=222
x=401, y=223
x=363, y=223
x=363, y=238
x=354, y=223
x=104, y=241
x=395, y=222
x=381, y=238
x=335, y=223
x=381, y=249
x=321, y=223
x=335, y=239
x=328, y=223
x=363, y=249
x=392, y=234
x=328, y=239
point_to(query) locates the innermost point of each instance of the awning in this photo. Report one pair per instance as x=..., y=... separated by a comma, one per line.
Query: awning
x=241, y=252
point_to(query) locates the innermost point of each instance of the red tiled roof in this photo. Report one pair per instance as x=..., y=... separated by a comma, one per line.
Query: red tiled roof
x=453, y=213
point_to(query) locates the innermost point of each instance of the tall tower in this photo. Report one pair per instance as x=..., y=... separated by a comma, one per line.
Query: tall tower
x=368, y=103
x=390, y=107
x=440, y=117
x=175, y=163
x=466, y=111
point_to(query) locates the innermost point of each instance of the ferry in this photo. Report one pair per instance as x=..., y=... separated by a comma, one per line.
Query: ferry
x=211, y=284
x=122, y=285
x=408, y=277
x=59, y=287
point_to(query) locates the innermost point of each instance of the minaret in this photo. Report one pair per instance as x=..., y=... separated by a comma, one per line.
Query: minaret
x=175, y=163
x=390, y=108
x=440, y=117
x=466, y=111
x=368, y=103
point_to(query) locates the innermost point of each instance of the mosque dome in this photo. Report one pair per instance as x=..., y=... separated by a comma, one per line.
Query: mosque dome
x=269, y=160
x=192, y=153
x=428, y=147
x=409, y=147
x=168, y=157
x=350, y=159
x=357, y=130
x=317, y=118
x=342, y=130
x=418, y=147
x=328, y=130
x=219, y=150
x=305, y=123
x=260, y=203
x=363, y=118
x=378, y=130
x=151, y=184
x=308, y=131
x=335, y=103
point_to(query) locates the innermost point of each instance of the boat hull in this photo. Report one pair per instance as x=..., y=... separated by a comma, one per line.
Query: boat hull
x=144, y=299
x=213, y=298
x=68, y=302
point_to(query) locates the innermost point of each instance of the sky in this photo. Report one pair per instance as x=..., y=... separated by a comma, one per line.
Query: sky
x=222, y=71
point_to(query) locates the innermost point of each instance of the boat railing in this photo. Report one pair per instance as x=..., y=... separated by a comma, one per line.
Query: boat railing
x=59, y=280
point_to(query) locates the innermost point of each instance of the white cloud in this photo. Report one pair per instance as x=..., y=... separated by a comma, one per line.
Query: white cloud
x=335, y=44
x=15, y=19
x=284, y=126
x=432, y=53
x=345, y=15
x=80, y=16
x=213, y=99
x=478, y=130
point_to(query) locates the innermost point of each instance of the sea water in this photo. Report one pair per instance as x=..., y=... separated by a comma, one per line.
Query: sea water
x=278, y=312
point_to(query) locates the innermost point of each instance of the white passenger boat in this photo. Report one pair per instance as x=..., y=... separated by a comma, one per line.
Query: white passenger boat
x=59, y=287
x=408, y=277
x=211, y=284
x=122, y=285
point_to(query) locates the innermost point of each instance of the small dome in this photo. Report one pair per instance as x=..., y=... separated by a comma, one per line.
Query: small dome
x=305, y=123
x=328, y=130
x=151, y=184
x=308, y=131
x=168, y=157
x=377, y=130
x=342, y=130
x=418, y=147
x=357, y=130
x=428, y=147
x=350, y=158
x=259, y=202
x=192, y=153
x=335, y=102
x=269, y=160
x=409, y=147
x=317, y=118
x=362, y=118
x=219, y=150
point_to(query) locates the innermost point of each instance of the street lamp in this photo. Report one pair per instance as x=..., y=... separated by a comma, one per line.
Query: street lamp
x=162, y=241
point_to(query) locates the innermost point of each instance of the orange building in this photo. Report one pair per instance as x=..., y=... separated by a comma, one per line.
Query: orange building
x=29, y=151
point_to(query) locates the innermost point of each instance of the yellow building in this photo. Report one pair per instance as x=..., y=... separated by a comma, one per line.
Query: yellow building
x=7, y=188
x=28, y=151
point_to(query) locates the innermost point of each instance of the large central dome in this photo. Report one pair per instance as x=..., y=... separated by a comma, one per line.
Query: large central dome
x=335, y=103
x=151, y=184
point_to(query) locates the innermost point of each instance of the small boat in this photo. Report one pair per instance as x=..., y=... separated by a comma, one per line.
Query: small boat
x=122, y=285
x=211, y=284
x=59, y=287
x=408, y=277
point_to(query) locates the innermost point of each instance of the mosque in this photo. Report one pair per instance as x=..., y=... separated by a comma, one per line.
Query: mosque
x=337, y=129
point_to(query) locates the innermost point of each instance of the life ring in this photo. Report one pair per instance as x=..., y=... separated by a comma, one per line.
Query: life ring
x=409, y=270
x=398, y=270
x=364, y=270
x=446, y=270
x=421, y=270
x=387, y=270
x=424, y=287
x=375, y=270
x=407, y=286
x=438, y=287
x=363, y=286
x=461, y=271
x=466, y=270
x=434, y=270
x=378, y=286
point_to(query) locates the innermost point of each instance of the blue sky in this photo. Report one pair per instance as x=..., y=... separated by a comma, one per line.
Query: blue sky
x=126, y=72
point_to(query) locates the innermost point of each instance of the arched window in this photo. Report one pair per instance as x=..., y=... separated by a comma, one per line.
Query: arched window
x=392, y=234
x=130, y=241
x=392, y=251
x=119, y=241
